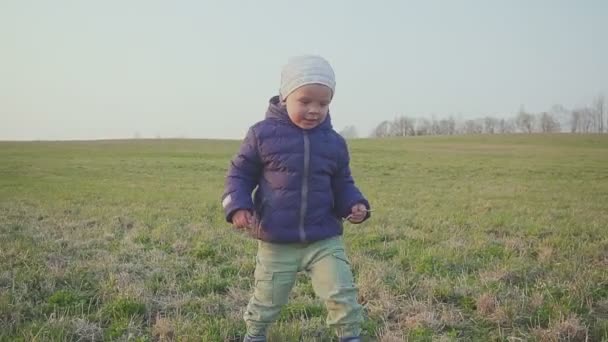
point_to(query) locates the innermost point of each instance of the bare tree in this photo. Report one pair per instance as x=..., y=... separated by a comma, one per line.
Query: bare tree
x=402, y=126
x=582, y=120
x=472, y=127
x=489, y=125
x=349, y=132
x=525, y=121
x=382, y=130
x=575, y=121
x=587, y=120
x=548, y=124
x=501, y=127
x=435, y=127
x=506, y=126
x=561, y=115
x=423, y=127
x=599, y=108
x=447, y=126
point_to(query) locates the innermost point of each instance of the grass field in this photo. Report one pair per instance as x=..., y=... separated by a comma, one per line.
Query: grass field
x=474, y=238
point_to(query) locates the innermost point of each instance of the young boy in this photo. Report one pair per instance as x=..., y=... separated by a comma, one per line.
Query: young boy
x=300, y=167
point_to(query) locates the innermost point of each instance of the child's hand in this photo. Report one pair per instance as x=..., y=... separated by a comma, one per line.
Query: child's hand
x=243, y=219
x=357, y=213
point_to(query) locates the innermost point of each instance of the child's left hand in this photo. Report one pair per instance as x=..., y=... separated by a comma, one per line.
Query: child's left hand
x=357, y=213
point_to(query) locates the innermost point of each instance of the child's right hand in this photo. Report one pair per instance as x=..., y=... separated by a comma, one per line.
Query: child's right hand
x=244, y=219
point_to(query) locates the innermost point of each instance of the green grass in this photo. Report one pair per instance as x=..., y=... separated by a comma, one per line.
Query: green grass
x=492, y=238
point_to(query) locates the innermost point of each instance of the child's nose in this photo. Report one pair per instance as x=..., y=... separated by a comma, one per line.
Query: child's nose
x=314, y=109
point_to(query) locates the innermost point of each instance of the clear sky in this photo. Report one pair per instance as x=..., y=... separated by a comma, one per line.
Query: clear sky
x=205, y=69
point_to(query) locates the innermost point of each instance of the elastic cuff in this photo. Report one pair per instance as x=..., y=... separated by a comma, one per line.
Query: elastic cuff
x=249, y=338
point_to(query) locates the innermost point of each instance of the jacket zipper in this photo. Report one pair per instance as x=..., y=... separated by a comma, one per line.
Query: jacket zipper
x=304, y=186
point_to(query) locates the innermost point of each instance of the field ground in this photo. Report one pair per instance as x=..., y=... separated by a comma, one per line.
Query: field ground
x=473, y=238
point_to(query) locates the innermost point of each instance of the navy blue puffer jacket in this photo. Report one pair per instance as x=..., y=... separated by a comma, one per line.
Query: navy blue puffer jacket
x=302, y=180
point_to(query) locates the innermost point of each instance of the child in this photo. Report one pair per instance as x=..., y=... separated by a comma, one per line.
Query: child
x=300, y=167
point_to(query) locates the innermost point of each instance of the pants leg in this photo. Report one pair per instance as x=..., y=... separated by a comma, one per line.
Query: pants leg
x=332, y=281
x=275, y=273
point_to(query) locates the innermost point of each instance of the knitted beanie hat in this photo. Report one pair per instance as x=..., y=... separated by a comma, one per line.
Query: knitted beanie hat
x=307, y=69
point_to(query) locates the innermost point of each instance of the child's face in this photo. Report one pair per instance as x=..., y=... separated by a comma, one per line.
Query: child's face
x=308, y=105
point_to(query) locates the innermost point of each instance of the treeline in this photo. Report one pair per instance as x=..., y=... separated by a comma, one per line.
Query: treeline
x=587, y=119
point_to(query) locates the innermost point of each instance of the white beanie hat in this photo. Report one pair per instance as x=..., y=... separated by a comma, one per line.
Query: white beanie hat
x=307, y=69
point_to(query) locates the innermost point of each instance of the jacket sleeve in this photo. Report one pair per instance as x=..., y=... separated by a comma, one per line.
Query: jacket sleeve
x=346, y=193
x=243, y=175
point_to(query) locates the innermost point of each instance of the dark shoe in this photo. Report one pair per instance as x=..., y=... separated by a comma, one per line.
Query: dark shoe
x=254, y=338
x=350, y=339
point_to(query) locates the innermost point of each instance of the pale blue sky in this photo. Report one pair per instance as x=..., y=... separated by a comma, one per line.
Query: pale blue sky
x=205, y=69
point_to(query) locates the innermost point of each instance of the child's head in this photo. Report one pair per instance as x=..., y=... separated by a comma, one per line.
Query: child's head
x=307, y=88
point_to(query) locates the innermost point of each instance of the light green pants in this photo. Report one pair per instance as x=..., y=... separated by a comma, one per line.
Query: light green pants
x=325, y=262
